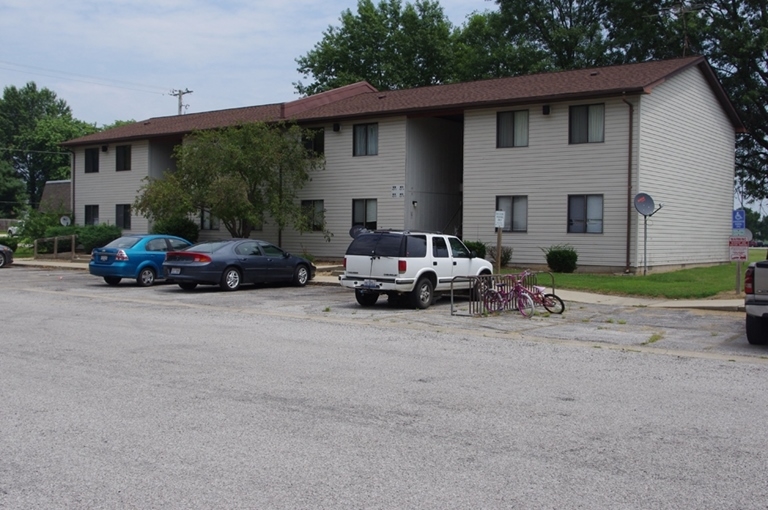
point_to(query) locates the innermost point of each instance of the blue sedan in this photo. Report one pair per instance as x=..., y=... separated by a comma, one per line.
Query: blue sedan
x=138, y=257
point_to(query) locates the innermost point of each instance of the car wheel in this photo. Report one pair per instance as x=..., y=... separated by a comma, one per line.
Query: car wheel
x=756, y=331
x=112, y=280
x=301, y=275
x=365, y=298
x=230, y=279
x=188, y=285
x=146, y=277
x=2, y=259
x=423, y=294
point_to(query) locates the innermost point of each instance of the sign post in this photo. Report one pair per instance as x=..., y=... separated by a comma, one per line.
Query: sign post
x=738, y=244
x=499, y=224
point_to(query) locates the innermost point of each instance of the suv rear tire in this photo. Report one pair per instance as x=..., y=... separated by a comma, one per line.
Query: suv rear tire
x=423, y=294
x=366, y=298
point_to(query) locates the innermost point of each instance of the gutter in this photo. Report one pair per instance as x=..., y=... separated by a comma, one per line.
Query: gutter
x=629, y=181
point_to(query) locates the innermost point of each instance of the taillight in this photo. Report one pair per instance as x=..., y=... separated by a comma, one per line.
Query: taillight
x=345, y=263
x=198, y=257
x=121, y=255
x=93, y=256
x=749, y=281
x=402, y=266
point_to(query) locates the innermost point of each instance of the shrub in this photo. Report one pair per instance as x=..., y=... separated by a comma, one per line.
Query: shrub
x=10, y=242
x=95, y=236
x=478, y=247
x=561, y=258
x=179, y=226
x=506, y=255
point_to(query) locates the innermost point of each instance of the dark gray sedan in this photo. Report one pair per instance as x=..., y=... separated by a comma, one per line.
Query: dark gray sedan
x=233, y=262
x=6, y=255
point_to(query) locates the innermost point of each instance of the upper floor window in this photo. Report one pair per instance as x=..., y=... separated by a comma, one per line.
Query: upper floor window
x=364, y=213
x=515, y=212
x=512, y=129
x=91, y=214
x=91, y=161
x=366, y=140
x=123, y=157
x=314, y=140
x=587, y=123
x=315, y=214
x=123, y=216
x=585, y=214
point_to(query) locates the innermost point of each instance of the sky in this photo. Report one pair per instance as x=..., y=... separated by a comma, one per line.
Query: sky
x=123, y=59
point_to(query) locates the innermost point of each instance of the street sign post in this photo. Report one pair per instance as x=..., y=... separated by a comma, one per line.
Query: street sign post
x=499, y=224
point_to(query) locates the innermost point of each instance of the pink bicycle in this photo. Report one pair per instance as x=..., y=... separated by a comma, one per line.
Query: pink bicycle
x=504, y=298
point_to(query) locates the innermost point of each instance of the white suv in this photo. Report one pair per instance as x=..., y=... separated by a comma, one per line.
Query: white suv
x=408, y=265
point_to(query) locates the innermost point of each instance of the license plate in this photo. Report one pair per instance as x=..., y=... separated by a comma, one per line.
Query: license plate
x=175, y=270
x=103, y=258
x=369, y=284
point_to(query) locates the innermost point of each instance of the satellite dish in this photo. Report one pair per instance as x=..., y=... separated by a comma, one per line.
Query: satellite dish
x=644, y=204
x=357, y=230
x=65, y=221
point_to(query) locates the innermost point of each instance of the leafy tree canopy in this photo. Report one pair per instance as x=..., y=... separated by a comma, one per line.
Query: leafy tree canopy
x=243, y=175
x=33, y=122
x=388, y=44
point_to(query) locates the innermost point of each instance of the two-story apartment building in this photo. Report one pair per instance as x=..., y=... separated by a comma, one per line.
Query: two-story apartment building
x=562, y=154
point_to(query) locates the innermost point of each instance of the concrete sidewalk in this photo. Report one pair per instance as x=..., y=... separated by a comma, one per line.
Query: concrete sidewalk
x=325, y=277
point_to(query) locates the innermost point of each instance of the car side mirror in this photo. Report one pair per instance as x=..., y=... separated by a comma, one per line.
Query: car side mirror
x=286, y=254
x=472, y=254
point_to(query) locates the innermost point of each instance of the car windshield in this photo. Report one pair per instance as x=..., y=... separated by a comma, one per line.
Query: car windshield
x=123, y=243
x=208, y=247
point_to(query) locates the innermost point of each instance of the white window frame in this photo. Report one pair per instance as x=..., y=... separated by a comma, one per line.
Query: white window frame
x=515, y=209
x=586, y=123
x=512, y=129
x=585, y=214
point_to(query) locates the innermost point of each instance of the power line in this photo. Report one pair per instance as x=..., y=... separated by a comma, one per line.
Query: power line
x=105, y=82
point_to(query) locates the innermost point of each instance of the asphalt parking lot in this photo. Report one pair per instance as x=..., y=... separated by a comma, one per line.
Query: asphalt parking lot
x=282, y=397
x=685, y=332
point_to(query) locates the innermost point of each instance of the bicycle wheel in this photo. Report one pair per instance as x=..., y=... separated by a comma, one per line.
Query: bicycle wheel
x=492, y=301
x=553, y=303
x=525, y=304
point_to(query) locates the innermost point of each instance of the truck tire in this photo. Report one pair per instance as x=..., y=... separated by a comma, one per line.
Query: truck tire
x=757, y=334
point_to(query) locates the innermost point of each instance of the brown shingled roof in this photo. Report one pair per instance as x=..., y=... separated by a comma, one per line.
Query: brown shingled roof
x=361, y=99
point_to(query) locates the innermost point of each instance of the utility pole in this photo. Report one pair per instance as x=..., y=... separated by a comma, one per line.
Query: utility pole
x=179, y=94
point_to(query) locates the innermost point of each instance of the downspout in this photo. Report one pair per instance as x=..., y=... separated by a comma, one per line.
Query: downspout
x=72, y=190
x=629, y=180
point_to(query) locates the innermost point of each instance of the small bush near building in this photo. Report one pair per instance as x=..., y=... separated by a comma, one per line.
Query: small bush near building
x=64, y=245
x=10, y=242
x=561, y=258
x=181, y=226
x=506, y=255
x=96, y=236
x=478, y=247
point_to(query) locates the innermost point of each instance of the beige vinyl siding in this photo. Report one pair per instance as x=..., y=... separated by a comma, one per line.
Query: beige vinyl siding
x=686, y=162
x=347, y=177
x=107, y=188
x=547, y=171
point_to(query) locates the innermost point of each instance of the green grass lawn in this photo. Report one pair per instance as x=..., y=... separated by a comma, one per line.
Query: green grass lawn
x=697, y=283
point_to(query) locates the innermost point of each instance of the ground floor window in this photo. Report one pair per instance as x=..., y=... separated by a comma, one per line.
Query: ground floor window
x=364, y=213
x=123, y=216
x=585, y=214
x=314, y=210
x=208, y=221
x=515, y=212
x=91, y=214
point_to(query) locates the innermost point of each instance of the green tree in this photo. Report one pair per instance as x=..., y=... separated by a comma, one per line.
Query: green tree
x=32, y=124
x=244, y=175
x=117, y=123
x=12, y=196
x=388, y=45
